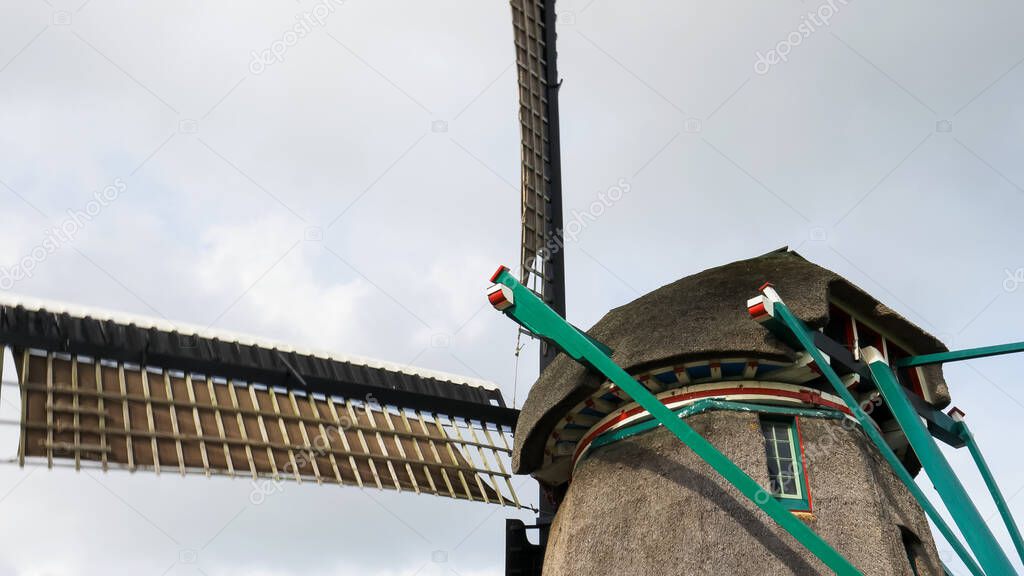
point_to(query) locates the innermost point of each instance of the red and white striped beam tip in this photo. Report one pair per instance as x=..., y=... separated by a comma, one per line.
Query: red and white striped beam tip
x=762, y=307
x=500, y=296
x=956, y=414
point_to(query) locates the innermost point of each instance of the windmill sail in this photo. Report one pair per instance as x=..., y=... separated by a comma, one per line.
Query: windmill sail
x=541, y=261
x=120, y=392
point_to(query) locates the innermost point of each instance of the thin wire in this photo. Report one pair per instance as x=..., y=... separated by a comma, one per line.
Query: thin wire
x=515, y=381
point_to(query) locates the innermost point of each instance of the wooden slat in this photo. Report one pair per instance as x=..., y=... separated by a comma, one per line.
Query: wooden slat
x=72, y=409
x=342, y=429
x=174, y=423
x=263, y=432
x=486, y=463
x=419, y=453
x=199, y=424
x=24, y=406
x=501, y=466
x=476, y=476
x=127, y=417
x=327, y=440
x=284, y=433
x=437, y=456
x=241, y=429
x=72, y=447
x=220, y=425
x=363, y=444
x=149, y=419
x=310, y=453
x=383, y=447
x=49, y=410
x=451, y=452
x=76, y=415
x=401, y=449
x=101, y=408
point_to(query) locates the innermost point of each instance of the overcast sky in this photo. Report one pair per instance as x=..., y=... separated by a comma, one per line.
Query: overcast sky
x=354, y=190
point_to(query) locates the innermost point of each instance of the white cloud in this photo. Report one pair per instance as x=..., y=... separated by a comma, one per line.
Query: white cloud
x=264, y=273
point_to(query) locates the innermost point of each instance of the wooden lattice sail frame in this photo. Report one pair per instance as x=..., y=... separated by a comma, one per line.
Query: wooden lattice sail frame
x=541, y=265
x=122, y=392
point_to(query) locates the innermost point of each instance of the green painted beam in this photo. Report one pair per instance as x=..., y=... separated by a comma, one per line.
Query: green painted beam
x=977, y=533
x=804, y=335
x=534, y=315
x=958, y=355
x=939, y=424
x=997, y=494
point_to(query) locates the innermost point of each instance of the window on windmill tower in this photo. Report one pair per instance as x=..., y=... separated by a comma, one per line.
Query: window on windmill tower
x=787, y=475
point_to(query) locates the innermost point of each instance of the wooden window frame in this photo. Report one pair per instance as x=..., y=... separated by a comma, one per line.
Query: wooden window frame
x=801, y=502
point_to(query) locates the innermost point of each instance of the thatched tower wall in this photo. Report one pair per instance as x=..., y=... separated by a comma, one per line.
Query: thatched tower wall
x=646, y=505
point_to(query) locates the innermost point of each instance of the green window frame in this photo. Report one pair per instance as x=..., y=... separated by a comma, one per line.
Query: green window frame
x=787, y=478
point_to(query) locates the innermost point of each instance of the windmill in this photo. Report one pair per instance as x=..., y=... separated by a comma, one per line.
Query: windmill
x=109, y=390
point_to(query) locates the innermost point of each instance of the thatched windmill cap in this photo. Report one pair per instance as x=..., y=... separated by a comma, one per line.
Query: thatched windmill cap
x=704, y=316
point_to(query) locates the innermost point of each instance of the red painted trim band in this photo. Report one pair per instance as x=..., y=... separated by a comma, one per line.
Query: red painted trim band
x=806, y=396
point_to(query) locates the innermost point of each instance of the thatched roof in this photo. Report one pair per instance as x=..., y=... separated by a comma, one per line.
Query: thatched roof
x=705, y=316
